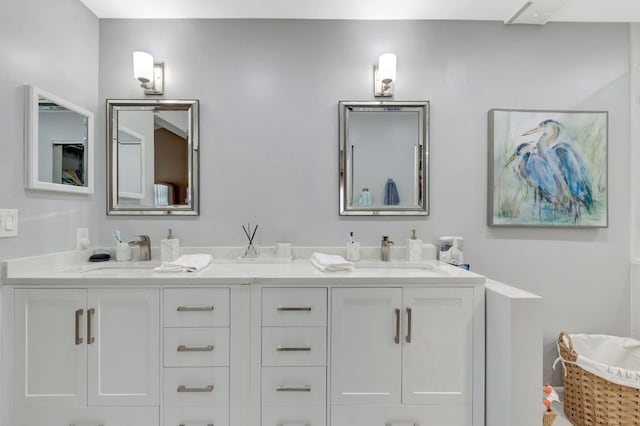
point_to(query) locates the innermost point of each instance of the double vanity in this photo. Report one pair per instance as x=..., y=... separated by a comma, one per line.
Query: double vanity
x=241, y=344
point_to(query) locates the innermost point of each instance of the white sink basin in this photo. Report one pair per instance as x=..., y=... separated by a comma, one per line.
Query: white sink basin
x=113, y=267
x=404, y=266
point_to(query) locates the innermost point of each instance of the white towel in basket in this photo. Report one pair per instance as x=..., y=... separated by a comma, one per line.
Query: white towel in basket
x=616, y=359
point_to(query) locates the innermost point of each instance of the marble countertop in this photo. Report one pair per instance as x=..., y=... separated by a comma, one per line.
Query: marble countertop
x=73, y=269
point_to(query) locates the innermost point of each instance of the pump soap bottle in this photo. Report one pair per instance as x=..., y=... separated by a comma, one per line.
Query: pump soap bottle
x=414, y=248
x=353, y=249
x=169, y=248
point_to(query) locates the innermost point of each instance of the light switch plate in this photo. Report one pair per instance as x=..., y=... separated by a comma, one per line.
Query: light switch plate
x=8, y=223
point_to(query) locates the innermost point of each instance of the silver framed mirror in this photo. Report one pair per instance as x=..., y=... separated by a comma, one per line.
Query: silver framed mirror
x=384, y=158
x=59, y=144
x=153, y=157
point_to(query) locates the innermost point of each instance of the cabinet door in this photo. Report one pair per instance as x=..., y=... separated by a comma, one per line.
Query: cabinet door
x=438, y=351
x=365, y=345
x=124, y=358
x=50, y=357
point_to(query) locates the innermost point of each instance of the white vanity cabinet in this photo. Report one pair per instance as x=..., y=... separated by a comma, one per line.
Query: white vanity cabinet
x=230, y=346
x=401, y=356
x=294, y=357
x=81, y=348
x=196, y=353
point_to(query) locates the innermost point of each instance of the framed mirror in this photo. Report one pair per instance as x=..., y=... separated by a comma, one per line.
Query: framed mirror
x=59, y=144
x=152, y=157
x=384, y=158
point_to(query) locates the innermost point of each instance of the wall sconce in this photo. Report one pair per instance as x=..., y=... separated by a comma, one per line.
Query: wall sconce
x=384, y=75
x=149, y=74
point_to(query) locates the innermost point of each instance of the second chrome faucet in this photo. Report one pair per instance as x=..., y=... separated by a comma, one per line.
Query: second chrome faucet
x=385, y=248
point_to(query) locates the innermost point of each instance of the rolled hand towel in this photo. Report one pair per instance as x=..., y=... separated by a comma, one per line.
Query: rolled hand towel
x=330, y=262
x=186, y=263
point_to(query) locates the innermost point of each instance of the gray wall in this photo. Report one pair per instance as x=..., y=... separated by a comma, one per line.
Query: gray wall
x=269, y=138
x=269, y=92
x=52, y=45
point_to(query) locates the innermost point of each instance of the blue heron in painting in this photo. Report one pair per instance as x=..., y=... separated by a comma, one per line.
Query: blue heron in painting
x=558, y=150
x=541, y=175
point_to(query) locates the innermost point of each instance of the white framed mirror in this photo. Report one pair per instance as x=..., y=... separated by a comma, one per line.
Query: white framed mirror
x=384, y=153
x=153, y=157
x=59, y=144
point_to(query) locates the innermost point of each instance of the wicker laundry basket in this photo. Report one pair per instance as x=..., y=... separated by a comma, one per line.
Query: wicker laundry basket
x=590, y=400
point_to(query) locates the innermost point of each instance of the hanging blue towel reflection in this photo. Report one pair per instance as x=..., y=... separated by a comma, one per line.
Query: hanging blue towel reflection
x=391, y=197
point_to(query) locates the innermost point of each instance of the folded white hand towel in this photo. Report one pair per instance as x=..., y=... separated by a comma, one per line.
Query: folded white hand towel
x=186, y=263
x=330, y=262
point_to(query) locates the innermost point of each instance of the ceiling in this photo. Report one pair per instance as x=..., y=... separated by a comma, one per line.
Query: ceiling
x=484, y=10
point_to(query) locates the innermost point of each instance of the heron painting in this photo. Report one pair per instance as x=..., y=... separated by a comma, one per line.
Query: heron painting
x=548, y=168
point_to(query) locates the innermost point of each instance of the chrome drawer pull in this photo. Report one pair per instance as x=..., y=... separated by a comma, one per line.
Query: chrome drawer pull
x=294, y=308
x=82, y=424
x=183, y=348
x=281, y=348
x=195, y=309
x=183, y=388
x=182, y=424
x=281, y=388
x=293, y=423
x=406, y=423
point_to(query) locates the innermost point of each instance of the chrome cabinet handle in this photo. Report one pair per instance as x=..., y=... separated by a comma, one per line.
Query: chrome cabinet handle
x=281, y=388
x=413, y=423
x=293, y=423
x=408, y=325
x=183, y=348
x=183, y=424
x=83, y=424
x=195, y=309
x=396, y=339
x=90, y=338
x=281, y=348
x=79, y=313
x=294, y=308
x=183, y=388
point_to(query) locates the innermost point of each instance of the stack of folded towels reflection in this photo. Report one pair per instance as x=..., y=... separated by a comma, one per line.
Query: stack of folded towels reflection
x=330, y=262
x=186, y=263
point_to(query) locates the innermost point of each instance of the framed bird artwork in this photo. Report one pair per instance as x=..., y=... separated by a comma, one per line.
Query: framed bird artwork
x=548, y=168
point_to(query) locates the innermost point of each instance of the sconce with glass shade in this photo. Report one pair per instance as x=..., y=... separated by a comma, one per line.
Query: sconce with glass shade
x=149, y=74
x=384, y=75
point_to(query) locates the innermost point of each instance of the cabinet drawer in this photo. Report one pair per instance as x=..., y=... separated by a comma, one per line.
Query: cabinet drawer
x=87, y=416
x=294, y=306
x=196, y=386
x=405, y=415
x=294, y=416
x=196, y=347
x=294, y=346
x=196, y=307
x=294, y=386
x=196, y=416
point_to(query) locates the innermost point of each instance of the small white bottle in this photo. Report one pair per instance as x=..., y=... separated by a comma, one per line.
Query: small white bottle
x=169, y=248
x=457, y=257
x=353, y=249
x=414, y=248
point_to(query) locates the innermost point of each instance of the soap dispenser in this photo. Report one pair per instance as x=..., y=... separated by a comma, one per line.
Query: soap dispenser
x=169, y=248
x=353, y=249
x=414, y=248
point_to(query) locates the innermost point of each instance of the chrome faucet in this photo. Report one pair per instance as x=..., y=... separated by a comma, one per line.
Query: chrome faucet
x=385, y=248
x=144, y=243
